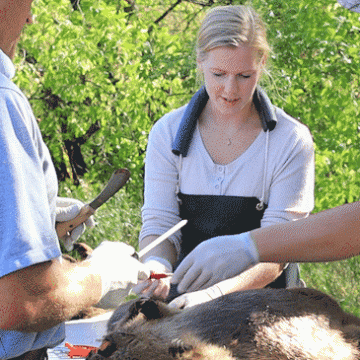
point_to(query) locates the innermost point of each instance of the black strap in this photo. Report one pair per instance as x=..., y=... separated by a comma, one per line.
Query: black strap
x=197, y=104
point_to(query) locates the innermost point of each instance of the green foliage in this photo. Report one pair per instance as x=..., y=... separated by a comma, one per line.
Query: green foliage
x=340, y=279
x=316, y=67
x=101, y=68
x=102, y=76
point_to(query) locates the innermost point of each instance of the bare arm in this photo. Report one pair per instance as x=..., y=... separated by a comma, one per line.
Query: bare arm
x=255, y=278
x=330, y=235
x=41, y=296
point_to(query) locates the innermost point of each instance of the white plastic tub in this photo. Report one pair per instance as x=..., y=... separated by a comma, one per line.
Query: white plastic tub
x=81, y=332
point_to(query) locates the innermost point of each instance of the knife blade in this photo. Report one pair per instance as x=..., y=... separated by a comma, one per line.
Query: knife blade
x=117, y=180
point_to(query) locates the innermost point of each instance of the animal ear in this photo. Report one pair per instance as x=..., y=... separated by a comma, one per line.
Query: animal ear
x=152, y=309
x=122, y=315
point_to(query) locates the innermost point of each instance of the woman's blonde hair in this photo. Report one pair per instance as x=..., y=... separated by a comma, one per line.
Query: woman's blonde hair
x=232, y=25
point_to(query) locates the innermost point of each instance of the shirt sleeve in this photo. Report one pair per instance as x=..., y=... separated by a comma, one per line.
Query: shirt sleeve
x=28, y=188
x=291, y=191
x=161, y=210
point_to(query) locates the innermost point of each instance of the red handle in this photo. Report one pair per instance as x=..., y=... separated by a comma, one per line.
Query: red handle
x=158, y=276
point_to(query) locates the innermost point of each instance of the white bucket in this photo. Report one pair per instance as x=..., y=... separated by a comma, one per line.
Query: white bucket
x=88, y=332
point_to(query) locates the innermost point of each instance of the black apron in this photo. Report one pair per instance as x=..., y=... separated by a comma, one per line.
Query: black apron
x=213, y=215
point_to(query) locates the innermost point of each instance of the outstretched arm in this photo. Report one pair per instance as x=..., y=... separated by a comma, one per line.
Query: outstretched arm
x=329, y=235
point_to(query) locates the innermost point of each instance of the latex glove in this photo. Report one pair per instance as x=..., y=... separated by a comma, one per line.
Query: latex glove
x=155, y=288
x=67, y=209
x=119, y=271
x=196, y=297
x=215, y=260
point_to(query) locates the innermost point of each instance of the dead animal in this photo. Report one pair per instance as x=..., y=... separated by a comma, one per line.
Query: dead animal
x=264, y=324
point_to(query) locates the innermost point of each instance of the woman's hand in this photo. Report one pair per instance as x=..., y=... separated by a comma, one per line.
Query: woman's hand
x=153, y=288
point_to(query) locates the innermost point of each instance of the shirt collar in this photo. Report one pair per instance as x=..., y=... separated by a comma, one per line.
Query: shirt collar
x=7, y=67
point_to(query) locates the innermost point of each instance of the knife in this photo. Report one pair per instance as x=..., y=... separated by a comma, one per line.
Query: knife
x=161, y=238
x=117, y=181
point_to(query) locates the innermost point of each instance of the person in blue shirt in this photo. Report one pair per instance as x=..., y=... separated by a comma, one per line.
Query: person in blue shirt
x=353, y=5
x=38, y=289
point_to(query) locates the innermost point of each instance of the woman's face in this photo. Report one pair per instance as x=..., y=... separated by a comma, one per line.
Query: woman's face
x=231, y=75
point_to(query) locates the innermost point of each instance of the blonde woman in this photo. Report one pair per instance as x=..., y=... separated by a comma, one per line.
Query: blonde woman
x=330, y=235
x=228, y=162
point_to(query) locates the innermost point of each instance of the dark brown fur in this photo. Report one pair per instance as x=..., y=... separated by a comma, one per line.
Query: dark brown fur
x=261, y=324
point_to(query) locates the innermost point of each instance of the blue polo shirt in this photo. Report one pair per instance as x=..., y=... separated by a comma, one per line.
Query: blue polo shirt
x=28, y=190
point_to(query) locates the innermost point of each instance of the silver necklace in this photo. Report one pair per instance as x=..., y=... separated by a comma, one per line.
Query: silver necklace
x=229, y=142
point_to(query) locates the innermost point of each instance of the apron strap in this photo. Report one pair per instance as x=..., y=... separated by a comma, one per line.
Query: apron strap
x=177, y=189
x=260, y=205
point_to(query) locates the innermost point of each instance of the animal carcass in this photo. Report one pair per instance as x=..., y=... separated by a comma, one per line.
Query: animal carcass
x=255, y=324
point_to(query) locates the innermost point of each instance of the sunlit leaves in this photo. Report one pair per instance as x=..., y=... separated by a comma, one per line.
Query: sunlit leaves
x=102, y=64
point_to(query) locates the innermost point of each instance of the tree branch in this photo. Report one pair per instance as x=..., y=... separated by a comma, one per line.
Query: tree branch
x=91, y=131
x=168, y=11
x=201, y=3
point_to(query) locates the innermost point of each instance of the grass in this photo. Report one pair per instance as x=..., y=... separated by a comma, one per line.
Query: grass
x=119, y=219
x=340, y=279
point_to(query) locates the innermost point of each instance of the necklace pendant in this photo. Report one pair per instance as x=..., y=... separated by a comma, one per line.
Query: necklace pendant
x=229, y=142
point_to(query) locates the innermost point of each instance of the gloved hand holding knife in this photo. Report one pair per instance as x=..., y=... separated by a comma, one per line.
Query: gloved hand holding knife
x=70, y=216
x=67, y=209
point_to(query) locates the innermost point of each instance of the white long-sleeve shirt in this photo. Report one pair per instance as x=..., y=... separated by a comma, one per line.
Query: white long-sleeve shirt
x=289, y=177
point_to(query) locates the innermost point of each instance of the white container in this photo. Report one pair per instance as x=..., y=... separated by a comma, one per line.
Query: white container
x=88, y=332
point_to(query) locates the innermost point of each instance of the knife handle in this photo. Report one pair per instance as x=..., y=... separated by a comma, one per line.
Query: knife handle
x=117, y=181
x=65, y=227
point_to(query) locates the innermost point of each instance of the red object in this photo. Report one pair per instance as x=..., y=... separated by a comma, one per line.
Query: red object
x=80, y=351
x=158, y=276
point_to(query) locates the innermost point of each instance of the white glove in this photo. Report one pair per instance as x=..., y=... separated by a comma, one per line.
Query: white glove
x=157, y=288
x=67, y=209
x=158, y=265
x=119, y=271
x=196, y=297
x=215, y=260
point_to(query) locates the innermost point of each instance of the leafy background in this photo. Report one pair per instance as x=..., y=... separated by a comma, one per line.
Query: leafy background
x=99, y=73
